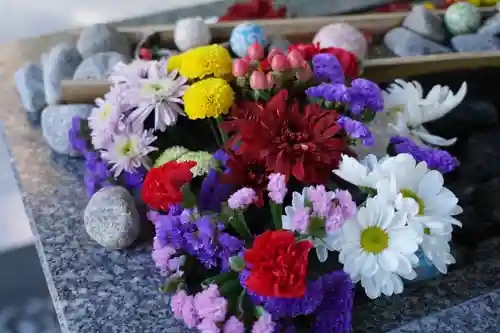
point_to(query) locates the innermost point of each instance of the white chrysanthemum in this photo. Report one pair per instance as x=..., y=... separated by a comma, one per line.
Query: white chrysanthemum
x=377, y=243
x=406, y=110
x=329, y=242
x=129, y=73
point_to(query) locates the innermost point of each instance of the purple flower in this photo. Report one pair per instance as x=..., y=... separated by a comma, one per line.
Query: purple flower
x=166, y=259
x=356, y=130
x=210, y=305
x=221, y=156
x=75, y=135
x=213, y=193
x=233, y=325
x=135, y=179
x=182, y=306
x=242, y=198
x=365, y=94
x=436, y=159
x=330, y=92
x=277, y=187
x=97, y=174
x=264, y=324
x=301, y=219
x=327, y=67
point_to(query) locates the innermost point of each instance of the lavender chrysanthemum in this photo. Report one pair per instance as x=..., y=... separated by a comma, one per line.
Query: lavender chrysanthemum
x=327, y=67
x=130, y=73
x=356, y=130
x=436, y=159
x=365, y=94
x=160, y=93
x=128, y=151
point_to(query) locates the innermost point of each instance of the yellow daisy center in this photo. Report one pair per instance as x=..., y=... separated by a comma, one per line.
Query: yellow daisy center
x=374, y=240
x=427, y=231
x=107, y=109
x=410, y=194
x=128, y=147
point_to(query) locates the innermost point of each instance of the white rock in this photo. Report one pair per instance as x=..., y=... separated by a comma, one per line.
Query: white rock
x=191, y=32
x=29, y=84
x=102, y=38
x=56, y=122
x=425, y=23
x=59, y=64
x=406, y=43
x=99, y=66
x=111, y=218
x=344, y=36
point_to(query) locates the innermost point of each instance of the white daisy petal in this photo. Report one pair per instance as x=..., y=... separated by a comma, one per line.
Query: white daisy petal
x=388, y=260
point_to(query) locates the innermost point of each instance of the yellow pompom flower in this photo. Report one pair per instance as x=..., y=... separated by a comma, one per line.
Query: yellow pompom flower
x=211, y=97
x=212, y=60
x=174, y=62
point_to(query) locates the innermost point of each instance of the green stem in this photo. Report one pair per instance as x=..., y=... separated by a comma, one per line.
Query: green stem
x=276, y=210
x=223, y=134
x=239, y=224
x=220, y=279
x=215, y=132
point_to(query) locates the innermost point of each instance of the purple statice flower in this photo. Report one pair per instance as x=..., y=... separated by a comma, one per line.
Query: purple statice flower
x=356, y=130
x=436, y=159
x=221, y=156
x=334, y=314
x=75, y=136
x=210, y=305
x=213, y=193
x=97, y=174
x=166, y=259
x=242, y=198
x=301, y=219
x=327, y=67
x=365, y=94
x=264, y=324
x=133, y=180
x=161, y=94
x=182, y=306
x=128, y=150
x=233, y=325
x=277, y=187
x=330, y=92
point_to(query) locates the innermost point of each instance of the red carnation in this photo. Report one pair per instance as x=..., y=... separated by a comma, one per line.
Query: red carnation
x=304, y=143
x=162, y=186
x=278, y=265
x=247, y=171
x=253, y=10
x=348, y=60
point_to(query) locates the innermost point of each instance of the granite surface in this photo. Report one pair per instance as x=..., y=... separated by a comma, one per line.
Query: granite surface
x=96, y=290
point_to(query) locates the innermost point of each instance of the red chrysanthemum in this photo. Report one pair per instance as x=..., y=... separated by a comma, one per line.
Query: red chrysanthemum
x=162, y=186
x=348, y=60
x=304, y=143
x=253, y=10
x=247, y=171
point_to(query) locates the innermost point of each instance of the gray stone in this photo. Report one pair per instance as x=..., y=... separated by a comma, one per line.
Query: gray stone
x=102, y=38
x=111, y=218
x=56, y=122
x=59, y=64
x=475, y=43
x=491, y=26
x=29, y=84
x=425, y=23
x=279, y=42
x=405, y=43
x=99, y=66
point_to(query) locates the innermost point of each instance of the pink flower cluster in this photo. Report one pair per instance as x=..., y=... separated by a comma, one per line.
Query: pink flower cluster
x=166, y=259
x=277, y=187
x=206, y=311
x=242, y=198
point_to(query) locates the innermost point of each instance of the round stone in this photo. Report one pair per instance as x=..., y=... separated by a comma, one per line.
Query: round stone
x=344, y=36
x=190, y=33
x=244, y=35
x=99, y=66
x=111, y=218
x=462, y=18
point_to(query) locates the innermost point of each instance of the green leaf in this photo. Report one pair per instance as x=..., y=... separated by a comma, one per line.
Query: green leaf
x=189, y=197
x=219, y=279
x=239, y=224
x=259, y=311
x=172, y=284
x=237, y=263
x=231, y=288
x=276, y=211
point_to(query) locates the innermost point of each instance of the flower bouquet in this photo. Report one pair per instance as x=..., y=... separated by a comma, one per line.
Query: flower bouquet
x=265, y=214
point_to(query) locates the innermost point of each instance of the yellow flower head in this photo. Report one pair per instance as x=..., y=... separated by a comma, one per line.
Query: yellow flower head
x=211, y=60
x=211, y=97
x=174, y=62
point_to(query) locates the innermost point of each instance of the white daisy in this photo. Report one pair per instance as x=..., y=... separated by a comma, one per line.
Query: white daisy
x=406, y=110
x=377, y=243
x=129, y=73
x=385, y=283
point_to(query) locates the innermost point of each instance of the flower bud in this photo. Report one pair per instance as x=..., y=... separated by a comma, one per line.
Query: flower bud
x=240, y=67
x=237, y=263
x=273, y=53
x=270, y=80
x=258, y=80
x=280, y=63
x=256, y=52
x=304, y=73
x=295, y=59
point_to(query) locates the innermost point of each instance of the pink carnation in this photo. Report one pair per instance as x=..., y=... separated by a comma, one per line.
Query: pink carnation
x=233, y=325
x=242, y=198
x=183, y=308
x=165, y=259
x=277, y=187
x=208, y=326
x=264, y=324
x=301, y=219
x=321, y=200
x=210, y=305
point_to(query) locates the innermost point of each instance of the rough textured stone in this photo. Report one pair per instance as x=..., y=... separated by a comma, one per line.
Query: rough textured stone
x=425, y=23
x=99, y=66
x=111, y=218
x=29, y=85
x=102, y=38
x=467, y=117
x=279, y=42
x=486, y=198
x=56, y=122
x=404, y=43
x=475, y=43
x=59, y=64
x=481, y=157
